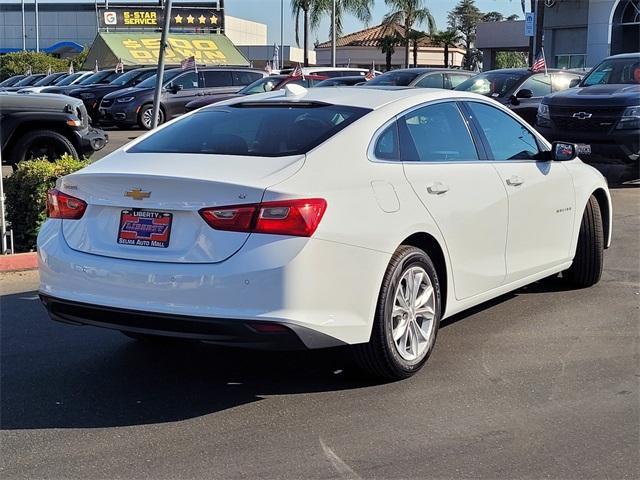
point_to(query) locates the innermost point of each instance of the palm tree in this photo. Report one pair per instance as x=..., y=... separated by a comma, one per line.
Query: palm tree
x=407, y=13
x=320, y=9
x=446, y=39
x=387, y=46
x=301, y=8
x=414, y=37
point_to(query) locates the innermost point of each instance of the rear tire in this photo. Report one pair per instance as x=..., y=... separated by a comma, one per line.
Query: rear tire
x=586, y=269
x=40, y=143
x=390, y=354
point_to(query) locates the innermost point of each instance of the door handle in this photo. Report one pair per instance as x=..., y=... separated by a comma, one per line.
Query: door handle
x=437, y=188
x=515, y=181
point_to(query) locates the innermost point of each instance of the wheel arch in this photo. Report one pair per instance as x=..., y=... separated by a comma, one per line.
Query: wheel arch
x=432, y=247
x=31, y=125
x=604, y=204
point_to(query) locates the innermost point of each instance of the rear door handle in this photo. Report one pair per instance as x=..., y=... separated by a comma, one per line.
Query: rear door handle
x=515, y=181
x=437, y=188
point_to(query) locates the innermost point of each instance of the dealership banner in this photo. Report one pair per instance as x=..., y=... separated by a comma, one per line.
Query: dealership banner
x=152, y=18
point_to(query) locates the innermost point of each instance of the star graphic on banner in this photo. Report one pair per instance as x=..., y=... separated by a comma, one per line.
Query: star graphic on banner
x=214, y=19
x=202, y=19
x=190, y=19
x=178, y=19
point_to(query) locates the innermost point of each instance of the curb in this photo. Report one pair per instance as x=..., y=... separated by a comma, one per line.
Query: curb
x=18, y=262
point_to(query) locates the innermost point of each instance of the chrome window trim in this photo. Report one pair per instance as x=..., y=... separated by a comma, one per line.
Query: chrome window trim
x=374, y=139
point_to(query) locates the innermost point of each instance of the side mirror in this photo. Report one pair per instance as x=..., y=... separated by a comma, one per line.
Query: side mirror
x=174, y=88
x=524, y=93
x=574, y=82
x=563, y=151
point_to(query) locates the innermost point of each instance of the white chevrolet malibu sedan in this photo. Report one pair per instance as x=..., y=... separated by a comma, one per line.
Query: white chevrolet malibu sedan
x=316, y=218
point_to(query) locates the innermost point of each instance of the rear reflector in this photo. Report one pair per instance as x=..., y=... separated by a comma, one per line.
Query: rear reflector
x=299, y=217
x=61, y=205
x=264, y=327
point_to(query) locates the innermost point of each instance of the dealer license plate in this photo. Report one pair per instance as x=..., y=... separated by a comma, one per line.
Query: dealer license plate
x=144, y=228
x=584, y=149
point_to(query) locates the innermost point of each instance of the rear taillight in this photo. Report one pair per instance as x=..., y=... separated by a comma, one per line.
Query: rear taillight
x=61, y=205
x=298, y=217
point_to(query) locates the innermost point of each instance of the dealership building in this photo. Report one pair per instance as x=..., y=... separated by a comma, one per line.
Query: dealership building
x=577, y=33
x=64, y=28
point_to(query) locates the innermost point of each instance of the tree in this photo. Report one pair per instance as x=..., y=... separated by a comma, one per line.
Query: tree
x=300, y=8
x=492, y=17
x=446, y=39
x=414, y=38
x=511, y=59
x=408, y=13
x=513, y=17
x=387, y=46
x=465, y=18
x=18, y=63
x=320, y=9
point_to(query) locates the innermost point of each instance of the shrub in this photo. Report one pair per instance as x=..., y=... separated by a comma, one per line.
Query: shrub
x=18, y=63
x=26, y=192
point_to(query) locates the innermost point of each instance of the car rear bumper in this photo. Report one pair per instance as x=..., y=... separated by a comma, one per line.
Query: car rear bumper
x=325, y=292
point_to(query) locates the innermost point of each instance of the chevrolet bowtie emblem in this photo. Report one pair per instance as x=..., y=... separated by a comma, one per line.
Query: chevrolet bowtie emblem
x=582, y=115
x=137, y=194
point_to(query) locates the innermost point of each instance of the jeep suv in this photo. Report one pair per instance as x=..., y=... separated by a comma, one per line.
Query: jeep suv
x=134, y=105
x=602, y=115
x=40, y=124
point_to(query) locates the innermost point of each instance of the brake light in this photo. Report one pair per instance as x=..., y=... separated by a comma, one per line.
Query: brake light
x=299, y=217
x=61, y=205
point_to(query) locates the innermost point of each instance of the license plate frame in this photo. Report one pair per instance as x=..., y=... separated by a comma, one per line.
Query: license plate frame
x=144, y=228
x=583, y=149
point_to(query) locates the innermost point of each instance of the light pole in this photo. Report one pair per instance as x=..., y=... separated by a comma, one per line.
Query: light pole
x=333, y=33
x=24, y=32
x=281, y=56
x=160, y=73
x=37, y=30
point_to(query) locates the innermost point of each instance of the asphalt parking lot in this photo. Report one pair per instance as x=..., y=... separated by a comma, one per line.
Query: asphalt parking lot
x=541, y=383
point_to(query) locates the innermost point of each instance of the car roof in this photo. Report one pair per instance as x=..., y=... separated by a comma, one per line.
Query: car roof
x=624, y=55
x=370, y=97
x=420, y=70
x=523, y=71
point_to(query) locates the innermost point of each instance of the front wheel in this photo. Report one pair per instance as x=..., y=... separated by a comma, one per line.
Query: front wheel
x=146, y=115
x=42, y=143
x=407, y=317
x=586, y=269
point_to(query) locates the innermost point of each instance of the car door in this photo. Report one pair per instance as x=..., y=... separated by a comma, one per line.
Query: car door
x=430, y=80
x=462, y=192
x=456, y=78
x=539, y=85
x=541, y=194
x=175, y=100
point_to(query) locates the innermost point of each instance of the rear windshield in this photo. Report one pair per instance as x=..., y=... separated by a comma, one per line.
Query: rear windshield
x=394, y=79
x=252, y=129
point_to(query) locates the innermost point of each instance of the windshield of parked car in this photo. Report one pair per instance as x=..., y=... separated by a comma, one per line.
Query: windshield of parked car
x=265, y=84
x=265, y=129
x=48, y=80
x=491, y=84
x=128, y=77
x=11, y=81
x=68, y=80
x=150, y=82
x=614, y=71
x=28, y=81
x=398, y=78
x=96, y=77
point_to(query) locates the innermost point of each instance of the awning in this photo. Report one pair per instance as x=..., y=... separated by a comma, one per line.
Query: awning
x=137, y=49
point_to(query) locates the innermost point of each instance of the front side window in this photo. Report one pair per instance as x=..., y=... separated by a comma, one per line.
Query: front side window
x=435, y=133
x=252, y=129
x=508, y=139
x=456, y=79
x=540, y=85
x=188, y=81
x=245, y=78
x=394, y=78
x=491, y=84
x=562, y=81
x=434, y=80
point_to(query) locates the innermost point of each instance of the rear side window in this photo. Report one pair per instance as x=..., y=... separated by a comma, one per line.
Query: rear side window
x=540, y=85
x=387, y=144
x=456, y=79
x=188, y=81
x=217, y=79
x=433, y=80
x=561, y=82
x=245, y=78
x=252, y=129
x=435, y=133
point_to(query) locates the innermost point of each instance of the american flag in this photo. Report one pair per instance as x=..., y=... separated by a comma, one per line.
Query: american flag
x=49, y=70
x=539, y=63
x=268, y=68
x=371, y=73
x=188, y=63
x=28, y=72
x=276, y=57
x=297, y=72
x=96, y=69
x=120, y=67
x=71, y=70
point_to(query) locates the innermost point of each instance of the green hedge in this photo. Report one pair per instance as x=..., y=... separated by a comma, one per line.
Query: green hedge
x=17, y=63
x=26, y=193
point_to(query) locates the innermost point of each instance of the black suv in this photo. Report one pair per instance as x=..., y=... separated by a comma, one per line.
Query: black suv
x=134, y=105
x=520, y=89
x=92, y=95
x=602, y=115
x=39, y=124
